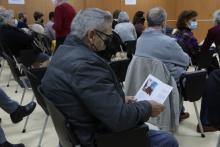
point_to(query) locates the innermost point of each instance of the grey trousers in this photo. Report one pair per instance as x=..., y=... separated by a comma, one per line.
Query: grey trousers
x=9, y=106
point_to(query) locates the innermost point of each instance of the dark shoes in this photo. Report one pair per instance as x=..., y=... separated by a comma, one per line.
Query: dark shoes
x=184, y=115
x=22, y=111
x=7, y=144
x=207, y=128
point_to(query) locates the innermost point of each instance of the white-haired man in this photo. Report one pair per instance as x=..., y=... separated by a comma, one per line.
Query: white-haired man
x=83, y=86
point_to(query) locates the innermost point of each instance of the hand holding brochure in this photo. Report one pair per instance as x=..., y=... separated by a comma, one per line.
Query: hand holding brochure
x=153, y=89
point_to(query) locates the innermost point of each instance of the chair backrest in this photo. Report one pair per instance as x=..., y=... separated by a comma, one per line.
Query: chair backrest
x=35, y=76
x=63, y=128
x=13, y=67
x=193, y=85
x=117, y=44
x=130, y=46
x=120, y=68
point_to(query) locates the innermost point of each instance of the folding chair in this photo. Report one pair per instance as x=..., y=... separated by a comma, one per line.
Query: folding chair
x=130, y=47
x=35, y=76
x=136, y=137
x=192, y=86
x=120, y=68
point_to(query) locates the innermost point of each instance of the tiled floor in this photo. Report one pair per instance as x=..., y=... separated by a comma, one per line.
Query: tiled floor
x=186, y=136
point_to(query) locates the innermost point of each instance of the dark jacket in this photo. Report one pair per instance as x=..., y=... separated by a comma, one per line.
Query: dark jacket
x=83, y=86
x=213, y=36
x=188, y=42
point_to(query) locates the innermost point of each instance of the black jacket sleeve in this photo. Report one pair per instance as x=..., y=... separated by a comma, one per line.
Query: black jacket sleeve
x=99, y=94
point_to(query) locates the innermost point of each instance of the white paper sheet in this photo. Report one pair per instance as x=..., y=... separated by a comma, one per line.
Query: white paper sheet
x=153, y=89
x=16, y=2
x=130, y=2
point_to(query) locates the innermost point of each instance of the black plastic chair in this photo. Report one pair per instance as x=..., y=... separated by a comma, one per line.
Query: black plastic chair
x=35, y=76
x=18, y=76
x=192, y=88
x=130, y=47
x=132, y=138
x=120, y=68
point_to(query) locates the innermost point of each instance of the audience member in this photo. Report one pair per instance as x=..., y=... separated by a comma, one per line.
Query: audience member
x=167, y=50
x=124, y=28
x=115, y=18
x=15, y=40
x=213, y=35
x=38, y=26
x=209, y=113
x=22, y=21
x=138, y=22
x=49, y=31
x=17, y=113
x=88, y=93
x=64, y=14
x=185, y=37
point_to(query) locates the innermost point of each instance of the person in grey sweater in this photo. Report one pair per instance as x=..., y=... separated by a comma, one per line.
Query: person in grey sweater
x=154, y=43
x=124, y=28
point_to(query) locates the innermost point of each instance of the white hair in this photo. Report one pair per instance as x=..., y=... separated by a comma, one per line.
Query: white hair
x=6, y=16
x=216, y=16
x=90, y=19
x=156, y=16
x=123, y=17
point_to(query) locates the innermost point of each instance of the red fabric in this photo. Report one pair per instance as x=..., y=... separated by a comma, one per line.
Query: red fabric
x=63, y=17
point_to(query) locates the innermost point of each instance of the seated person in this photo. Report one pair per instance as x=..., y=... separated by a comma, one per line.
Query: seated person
x=15, y=40
x=213, y=35
x=184, y=35
x=49, y=31
x=82, y=85
x=22, y=21
x=124, y=28
x=210, y=111
x=16, y=112
x=38, y=26
x=138, y=22
x=167, y=50
x=115, y=18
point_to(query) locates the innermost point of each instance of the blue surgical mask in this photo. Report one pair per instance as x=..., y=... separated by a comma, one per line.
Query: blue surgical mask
x=193, y=25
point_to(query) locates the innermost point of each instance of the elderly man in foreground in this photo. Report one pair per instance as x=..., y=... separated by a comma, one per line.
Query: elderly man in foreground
x=83, y=86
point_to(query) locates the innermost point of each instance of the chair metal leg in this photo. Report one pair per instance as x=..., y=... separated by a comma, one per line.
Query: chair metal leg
x=43, y=130
x=23, y=94
x=9, y=80
x=26, y=121
x=16, y=91
x=199, y=121
x=2, y=67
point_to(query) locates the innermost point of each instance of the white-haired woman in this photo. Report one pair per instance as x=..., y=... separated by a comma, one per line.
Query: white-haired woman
x=124, y=28
x=213, y=35
x=64, y=14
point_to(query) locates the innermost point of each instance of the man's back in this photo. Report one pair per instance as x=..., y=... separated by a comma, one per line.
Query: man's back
x=154, y=44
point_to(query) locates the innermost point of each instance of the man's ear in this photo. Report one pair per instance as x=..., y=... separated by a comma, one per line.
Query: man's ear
x=91, y=36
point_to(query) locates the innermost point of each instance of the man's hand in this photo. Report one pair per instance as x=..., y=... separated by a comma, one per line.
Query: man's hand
x=130, y=99
x=156, y=108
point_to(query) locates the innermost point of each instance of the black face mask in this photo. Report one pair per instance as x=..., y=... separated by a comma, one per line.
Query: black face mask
x=108, y=51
